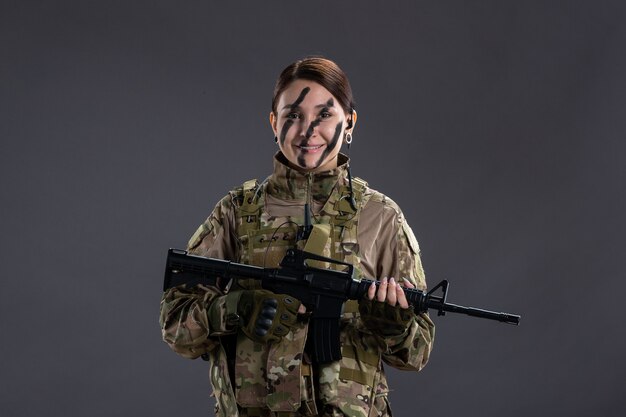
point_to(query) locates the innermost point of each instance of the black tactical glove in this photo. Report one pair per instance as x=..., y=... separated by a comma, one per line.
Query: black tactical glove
x=265, y=316
x=384, y=319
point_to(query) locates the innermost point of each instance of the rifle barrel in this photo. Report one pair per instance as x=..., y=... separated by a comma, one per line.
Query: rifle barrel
x=424, y=301
x=474, y=312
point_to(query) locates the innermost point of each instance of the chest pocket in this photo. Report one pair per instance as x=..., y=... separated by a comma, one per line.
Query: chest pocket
x=267, y=246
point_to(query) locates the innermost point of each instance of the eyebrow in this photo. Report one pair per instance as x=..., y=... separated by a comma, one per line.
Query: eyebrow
x=329, y=103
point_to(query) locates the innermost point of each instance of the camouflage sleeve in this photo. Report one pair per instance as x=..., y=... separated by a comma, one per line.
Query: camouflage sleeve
x=191, y=317
x=410, y=350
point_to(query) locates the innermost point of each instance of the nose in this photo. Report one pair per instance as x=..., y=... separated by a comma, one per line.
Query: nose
x=307, y=126
x=302, y=125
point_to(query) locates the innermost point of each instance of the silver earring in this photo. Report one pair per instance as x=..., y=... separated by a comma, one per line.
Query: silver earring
x=348, y=138
x=275, y=139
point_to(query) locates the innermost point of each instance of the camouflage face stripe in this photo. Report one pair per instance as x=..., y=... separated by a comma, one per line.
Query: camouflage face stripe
x=287, y=125
x=318, y=119
x=332, y=145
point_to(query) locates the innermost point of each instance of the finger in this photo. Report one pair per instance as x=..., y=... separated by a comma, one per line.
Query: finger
x=392, y=295
x=371, y=291
x=301, y=309
x=268, y=312
x=381, y=294
x=259, y=331
x=402, y=301
x=271, y=302
x=406, y=283
x=264, y=323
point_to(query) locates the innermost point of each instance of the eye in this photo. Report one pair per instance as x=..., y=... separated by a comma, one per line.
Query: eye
x=292, y=115
x=325, y=115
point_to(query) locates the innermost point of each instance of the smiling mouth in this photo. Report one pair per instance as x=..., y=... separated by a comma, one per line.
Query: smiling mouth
x=310, y=148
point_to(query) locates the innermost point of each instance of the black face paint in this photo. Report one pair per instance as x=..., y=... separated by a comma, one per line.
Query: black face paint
x=318, y=120
x=301, y=160
x=300, y=98
x=289, y=122
x=284, y=130
x=312, y=126
x=332, y=145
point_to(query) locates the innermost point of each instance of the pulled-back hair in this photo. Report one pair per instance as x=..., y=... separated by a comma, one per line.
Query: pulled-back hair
x=322, y=71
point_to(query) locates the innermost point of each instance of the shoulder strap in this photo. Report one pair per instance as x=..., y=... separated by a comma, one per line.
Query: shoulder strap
x=248, y=213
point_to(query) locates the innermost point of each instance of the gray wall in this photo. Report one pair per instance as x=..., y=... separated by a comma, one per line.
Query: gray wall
x=498, y=126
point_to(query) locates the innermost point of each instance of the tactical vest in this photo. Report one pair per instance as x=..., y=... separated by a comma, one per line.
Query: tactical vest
x=264, y=240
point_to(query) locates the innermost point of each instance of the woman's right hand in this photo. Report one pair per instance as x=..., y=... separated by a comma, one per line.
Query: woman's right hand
x=265, y=316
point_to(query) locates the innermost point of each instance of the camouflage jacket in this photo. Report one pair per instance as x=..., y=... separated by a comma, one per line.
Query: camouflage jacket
x=255, y=224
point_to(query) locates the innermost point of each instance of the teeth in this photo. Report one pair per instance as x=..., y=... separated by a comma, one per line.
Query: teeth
x=309, y=148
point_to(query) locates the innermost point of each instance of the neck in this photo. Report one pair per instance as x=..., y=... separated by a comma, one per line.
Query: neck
x=291, y=183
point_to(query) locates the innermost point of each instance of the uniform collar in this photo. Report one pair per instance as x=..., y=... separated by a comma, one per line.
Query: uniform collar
x=290, y=184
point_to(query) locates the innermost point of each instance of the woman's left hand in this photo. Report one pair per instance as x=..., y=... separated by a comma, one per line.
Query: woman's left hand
x=390, y=291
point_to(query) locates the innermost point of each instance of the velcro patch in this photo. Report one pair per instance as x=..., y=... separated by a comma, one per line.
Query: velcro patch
x=415, y=247
x=197, y=237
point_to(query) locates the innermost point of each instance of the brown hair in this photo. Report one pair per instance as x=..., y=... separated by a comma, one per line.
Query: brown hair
x=324, y=72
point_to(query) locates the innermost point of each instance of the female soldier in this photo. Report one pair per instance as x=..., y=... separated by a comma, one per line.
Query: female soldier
x=254, y=339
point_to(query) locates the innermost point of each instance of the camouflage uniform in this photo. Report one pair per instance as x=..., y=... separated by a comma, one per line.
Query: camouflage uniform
x=255, y=224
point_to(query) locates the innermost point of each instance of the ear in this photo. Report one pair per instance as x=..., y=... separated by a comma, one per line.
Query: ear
x=351, y=121
x=273, y=121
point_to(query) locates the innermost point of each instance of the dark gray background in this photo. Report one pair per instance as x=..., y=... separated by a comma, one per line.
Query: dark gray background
x=498, y=127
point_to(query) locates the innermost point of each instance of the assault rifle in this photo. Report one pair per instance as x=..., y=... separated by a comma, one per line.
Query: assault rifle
x=322, y=291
